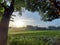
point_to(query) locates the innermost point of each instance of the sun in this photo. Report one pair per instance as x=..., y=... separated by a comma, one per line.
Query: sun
x=19, y=23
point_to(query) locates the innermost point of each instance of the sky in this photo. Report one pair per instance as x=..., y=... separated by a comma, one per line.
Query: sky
x=31, y=18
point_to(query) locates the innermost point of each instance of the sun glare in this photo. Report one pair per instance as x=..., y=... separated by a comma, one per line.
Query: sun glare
x=19, y=23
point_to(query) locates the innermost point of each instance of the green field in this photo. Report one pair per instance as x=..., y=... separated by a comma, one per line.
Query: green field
x=37, y=37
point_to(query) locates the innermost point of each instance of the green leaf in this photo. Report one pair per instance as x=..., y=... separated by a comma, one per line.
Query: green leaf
x=0, y=0
x=1, y=10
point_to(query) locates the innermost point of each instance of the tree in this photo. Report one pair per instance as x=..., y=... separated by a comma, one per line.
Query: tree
x=5, y=15
x=8, y=10
x=49, y=10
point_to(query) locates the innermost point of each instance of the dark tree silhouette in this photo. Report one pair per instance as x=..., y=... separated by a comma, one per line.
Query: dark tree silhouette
x=50, y=9
x=8, y=10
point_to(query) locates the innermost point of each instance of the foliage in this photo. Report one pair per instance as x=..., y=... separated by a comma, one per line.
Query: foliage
x=49, y=11
x=0, y=0
x=19, y=4
x=1, y=12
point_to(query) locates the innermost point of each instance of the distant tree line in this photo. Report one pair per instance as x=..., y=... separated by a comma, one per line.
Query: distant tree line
x=30, y=27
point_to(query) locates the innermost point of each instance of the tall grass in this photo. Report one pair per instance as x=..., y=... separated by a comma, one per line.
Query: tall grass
x=34, y=38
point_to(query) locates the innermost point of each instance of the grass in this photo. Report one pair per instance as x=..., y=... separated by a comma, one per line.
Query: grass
x=37, y=37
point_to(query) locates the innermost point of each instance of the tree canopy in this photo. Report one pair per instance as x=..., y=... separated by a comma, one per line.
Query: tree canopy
x=48, y=9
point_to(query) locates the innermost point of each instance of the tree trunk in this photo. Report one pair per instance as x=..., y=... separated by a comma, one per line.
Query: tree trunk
x=5, y=22
x=4, y=29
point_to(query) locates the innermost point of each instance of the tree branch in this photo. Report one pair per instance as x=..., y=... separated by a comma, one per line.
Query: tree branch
x=12, y=3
